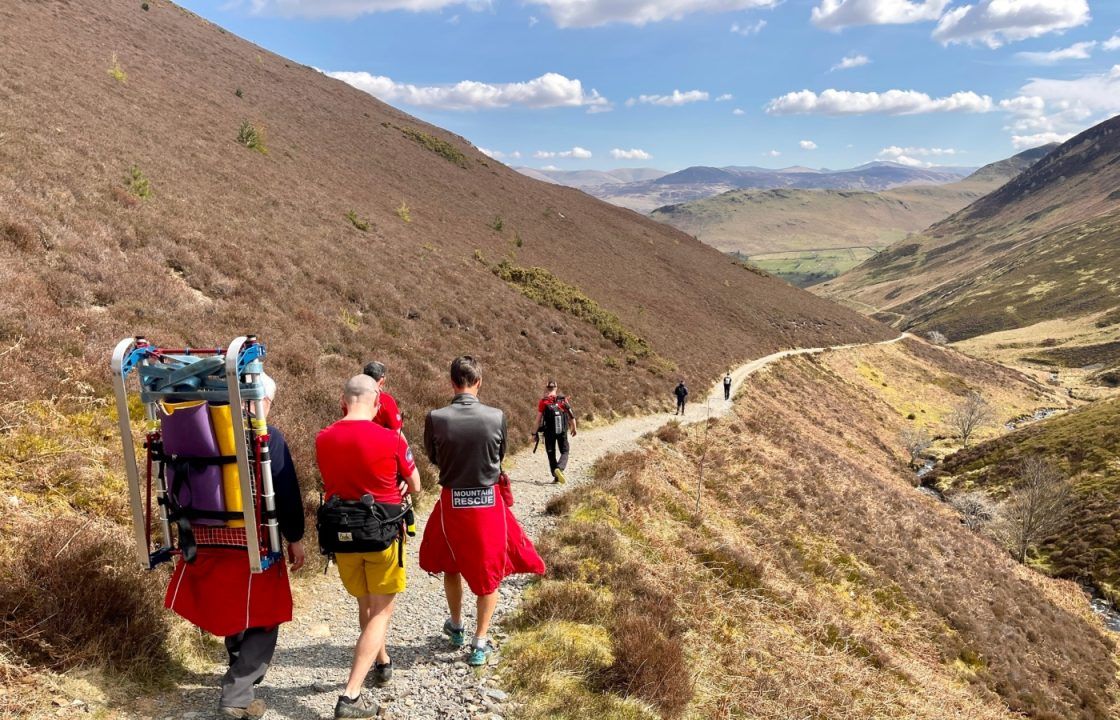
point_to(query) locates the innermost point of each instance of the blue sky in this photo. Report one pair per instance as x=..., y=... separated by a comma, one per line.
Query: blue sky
x=577, y=84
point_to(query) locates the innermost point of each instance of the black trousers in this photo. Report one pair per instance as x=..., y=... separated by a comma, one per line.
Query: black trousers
x=726, y=392
x=250, y=653
x=553, y=443
x=680, y=405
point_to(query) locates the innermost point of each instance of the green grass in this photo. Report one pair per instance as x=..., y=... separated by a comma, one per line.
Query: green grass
x=444, y=149
x=116, y=71
x=404, y=213
x=545, y=288
x=809, y=267
x=359, y=223
x=138, y=184
x=251, y=137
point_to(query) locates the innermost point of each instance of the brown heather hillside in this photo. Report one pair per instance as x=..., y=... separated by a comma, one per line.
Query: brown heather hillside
x=1043, y=246
x=230, y=239
x=815, y=581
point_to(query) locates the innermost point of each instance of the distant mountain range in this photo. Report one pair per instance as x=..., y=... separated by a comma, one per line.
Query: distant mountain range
x=646, y=189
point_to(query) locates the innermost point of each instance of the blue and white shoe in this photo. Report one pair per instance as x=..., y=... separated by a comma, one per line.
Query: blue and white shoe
x=480, y=653
x=457, y=635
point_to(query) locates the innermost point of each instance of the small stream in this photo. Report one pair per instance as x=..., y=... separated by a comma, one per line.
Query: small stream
x=1106, y=610
x=1040, y=414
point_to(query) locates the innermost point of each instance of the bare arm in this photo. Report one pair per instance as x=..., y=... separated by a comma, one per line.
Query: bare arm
x=413, y=482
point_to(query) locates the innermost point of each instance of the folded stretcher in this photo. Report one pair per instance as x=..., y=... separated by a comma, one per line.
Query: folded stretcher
x=206, y=449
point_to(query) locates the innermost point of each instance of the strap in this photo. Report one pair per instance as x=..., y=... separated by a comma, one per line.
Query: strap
x=193, y=460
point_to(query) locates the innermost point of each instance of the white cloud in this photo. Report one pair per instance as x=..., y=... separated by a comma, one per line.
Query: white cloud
x=837, y=14
x=995, y=22
x=725, y=97
x=677, y=98
x=808, y=145
x=592, y=13
x=1077, y=51
x=547, y=91
x=631, y=154
x=577, y=152
x=748, y=30
x=909, y=155
x=354, y=8
x=533, y=20
x=851, y=61
x=738, y=111
x=1113, y=43
x=550, y=168
x=1022, y=142
x=891, y=102
x=772, y=153
x=499, y=155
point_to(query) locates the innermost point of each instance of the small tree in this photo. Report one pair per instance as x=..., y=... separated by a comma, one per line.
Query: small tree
x=969, y=416
x=937, y=338
x=976, y=509
x=916, y=441
x=1036, y=508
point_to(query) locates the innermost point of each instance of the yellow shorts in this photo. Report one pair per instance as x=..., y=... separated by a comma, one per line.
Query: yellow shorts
x=371, y=573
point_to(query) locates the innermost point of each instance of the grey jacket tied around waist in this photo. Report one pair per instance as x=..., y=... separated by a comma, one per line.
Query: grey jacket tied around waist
x=466, y=440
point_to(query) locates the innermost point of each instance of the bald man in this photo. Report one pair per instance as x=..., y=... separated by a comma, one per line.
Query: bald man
x=360, y=461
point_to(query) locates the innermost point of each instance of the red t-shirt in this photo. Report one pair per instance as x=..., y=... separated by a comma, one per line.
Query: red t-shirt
x=389, y=415
x=549, y=400
x=359, y=456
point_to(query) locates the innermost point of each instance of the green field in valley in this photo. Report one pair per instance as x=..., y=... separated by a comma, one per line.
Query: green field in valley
x=809, y=267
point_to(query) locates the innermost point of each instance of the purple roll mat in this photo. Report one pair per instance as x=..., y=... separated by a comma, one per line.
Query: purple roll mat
x=188, y=431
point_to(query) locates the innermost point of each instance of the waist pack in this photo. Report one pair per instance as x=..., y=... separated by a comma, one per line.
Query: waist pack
x=348, y=526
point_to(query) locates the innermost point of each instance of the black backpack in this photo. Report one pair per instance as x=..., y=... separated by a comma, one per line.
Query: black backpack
x=554, y=418
x=347, y=526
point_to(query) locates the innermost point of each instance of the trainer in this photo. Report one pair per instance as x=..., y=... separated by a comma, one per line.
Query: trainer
x=471, y=533
x=357, y=457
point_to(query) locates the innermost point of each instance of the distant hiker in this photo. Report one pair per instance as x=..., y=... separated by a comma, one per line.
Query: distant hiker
x=727, y=386
x=555, y=420
x=390, y=413
x=471, y=532
x=361, y=463
x=681, y=391
x=218, y=593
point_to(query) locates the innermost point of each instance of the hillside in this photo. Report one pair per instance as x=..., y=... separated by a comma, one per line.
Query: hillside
x=808, y=578
x=789, y=232
x=1041, y=247
x=1083, y=444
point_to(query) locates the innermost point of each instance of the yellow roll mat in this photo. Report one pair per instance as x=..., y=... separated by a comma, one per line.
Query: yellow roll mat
x=231, y=480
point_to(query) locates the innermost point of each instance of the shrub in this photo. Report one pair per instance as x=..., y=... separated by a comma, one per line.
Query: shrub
x=116, y=71
x=251, y=137
x=404, y=213
x=359, y=223
x=517, y=241
x=444, y=149
x=496, y=224
x=670, y=432
x=137, y=183
x=144, y=6
x=937, y=338
x=238, y=92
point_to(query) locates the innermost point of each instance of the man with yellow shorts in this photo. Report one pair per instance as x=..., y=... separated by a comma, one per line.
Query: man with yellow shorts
x=361, y=461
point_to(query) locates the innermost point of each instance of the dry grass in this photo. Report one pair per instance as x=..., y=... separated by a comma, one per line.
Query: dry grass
x=814, y=582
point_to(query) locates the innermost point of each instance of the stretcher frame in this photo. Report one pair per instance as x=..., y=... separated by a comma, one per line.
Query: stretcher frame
x=213, y=375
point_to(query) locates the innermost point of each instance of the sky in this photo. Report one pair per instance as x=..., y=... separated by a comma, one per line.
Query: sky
x=598, y=84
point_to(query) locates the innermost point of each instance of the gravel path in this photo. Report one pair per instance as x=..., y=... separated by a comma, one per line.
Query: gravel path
x=431, y=680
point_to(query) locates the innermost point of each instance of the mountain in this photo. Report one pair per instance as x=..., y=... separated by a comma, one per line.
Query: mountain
x=1041, y=247
x=164, y=177
x=699, y=182
x=590, y=179
x=807, y=236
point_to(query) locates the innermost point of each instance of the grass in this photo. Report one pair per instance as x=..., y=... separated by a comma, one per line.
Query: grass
x=116, y=71
x=138, y=184
x=545, y=288
x=359, y=223
x=440, y=147
x=809, y=267
x=251, y=137
x=404, y=213
x=496, y=224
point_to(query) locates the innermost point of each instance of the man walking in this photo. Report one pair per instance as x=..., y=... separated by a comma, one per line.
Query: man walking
x=389, y=413
x=360, y=462
x=555, y=419
x=471, y=533
x=727, y=386
x=218, y=593
x=681, y=391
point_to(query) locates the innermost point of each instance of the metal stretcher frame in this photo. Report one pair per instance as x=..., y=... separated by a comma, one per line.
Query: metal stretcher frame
x=212, y=375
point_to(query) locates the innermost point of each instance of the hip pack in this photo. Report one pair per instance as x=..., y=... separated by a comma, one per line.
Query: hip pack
x=349, y=526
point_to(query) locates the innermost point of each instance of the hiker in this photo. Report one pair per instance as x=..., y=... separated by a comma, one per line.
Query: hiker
x=360, y=462
x=681, y=391
x=471, y=533
x=213, y=591
x=727, y=386
x=389, y=415
x=555, y=418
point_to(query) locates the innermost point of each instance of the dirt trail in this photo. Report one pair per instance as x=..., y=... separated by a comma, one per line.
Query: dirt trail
x=431, y=680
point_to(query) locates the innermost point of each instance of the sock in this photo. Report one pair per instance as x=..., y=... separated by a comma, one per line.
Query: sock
x=479, y=642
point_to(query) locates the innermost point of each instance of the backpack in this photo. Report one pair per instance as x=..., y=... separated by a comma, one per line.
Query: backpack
x=554, y=418
x=347, y=526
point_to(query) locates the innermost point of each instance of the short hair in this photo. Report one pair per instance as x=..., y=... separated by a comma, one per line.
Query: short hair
x=465, y=371
x=551, y=385
x=269, y=386
x=374, y=369
x=359, y=388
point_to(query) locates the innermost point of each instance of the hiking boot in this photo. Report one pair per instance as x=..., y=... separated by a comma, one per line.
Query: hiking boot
x=559, y=475
x=363, y=706
x=382, y=673
x=457, y=636
x=480, y=653
x=254, y=710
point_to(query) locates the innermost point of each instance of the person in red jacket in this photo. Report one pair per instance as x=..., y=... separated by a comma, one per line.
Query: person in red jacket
x=389, y=413
x=471, y=534
x=555, y=419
